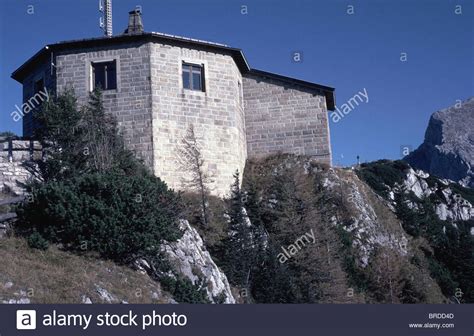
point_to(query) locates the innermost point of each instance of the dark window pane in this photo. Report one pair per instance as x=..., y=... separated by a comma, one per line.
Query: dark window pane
x=105, y=75
x=197, y=81
x=193, y=77
x=99, y=76
x=111, y=76
x=186, y=77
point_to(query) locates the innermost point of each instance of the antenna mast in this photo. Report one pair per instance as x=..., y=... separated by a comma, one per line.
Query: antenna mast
x=105, y=22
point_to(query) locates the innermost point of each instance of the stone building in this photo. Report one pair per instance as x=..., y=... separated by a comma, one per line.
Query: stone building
x=157, y=85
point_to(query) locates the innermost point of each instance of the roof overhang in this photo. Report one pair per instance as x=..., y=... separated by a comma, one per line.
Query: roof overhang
x=45, y=53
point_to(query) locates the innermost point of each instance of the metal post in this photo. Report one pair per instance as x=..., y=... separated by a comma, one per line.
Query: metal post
x=10, y=150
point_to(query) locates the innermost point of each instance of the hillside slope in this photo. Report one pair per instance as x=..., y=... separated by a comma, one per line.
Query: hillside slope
x=53, y=276
x=437, y=211
x=329, y=238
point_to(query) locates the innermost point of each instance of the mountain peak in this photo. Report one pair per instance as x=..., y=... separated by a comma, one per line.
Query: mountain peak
x=448, y=147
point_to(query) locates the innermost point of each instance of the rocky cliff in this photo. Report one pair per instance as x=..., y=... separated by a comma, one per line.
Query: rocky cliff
x=448, y=148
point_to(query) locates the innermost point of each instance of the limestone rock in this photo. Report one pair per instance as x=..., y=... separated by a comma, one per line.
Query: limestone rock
x=85, y=300
x=8, y=285
x=21, y=297
x=105, y=295
x=189, y=257
x=450, y=205
x=448, y=148
x=368, y=231
x=17, y=301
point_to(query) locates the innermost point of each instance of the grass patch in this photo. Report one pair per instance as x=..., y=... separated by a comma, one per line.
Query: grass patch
x=54, y=276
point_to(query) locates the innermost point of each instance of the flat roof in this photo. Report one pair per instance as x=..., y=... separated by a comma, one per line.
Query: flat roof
x=44, y=55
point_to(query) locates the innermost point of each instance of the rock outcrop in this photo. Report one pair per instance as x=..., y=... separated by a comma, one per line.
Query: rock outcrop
x=449, y=204
x=450, y=200
x=367, y=220
x=448, y=148
x=367, y=227
x=190, y=259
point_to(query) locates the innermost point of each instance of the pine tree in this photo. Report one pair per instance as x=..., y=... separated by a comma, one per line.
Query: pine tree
x=60, y=134
x=240, y=247
x=80, y=140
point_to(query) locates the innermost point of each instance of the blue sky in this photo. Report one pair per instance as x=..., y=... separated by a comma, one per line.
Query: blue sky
x=349, y=52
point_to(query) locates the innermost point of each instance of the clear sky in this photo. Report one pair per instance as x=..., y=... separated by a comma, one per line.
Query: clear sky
x=412, y=57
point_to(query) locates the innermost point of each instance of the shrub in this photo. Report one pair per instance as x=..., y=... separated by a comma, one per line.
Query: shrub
x=380, y=174
x=120, y=217
x=466, y=193
x=36, y=240
x=183, y=290
x=451, y=263
x=356, y=276
x=408, y=216
x=7, y=134
x=442, y=276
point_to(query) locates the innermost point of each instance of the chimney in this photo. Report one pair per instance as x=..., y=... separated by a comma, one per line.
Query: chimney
x=135, y=24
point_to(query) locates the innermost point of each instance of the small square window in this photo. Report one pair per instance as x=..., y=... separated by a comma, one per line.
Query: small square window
x=193, y=77
x=104, y=75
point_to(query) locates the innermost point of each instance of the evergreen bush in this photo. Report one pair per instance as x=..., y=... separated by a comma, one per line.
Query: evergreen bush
x=120, y=217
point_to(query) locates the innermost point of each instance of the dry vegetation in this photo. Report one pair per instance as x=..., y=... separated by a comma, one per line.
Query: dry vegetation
x=54, y=276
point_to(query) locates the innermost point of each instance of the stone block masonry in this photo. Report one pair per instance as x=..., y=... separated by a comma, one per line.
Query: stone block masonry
x=217, y=115
x=130, y=102
x=286, y=118
x=13, y=154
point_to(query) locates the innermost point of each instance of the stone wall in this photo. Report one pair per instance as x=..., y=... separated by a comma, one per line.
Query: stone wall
x=281, y=117
x=217, y=114
x=130, y=102
x=12, y=170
